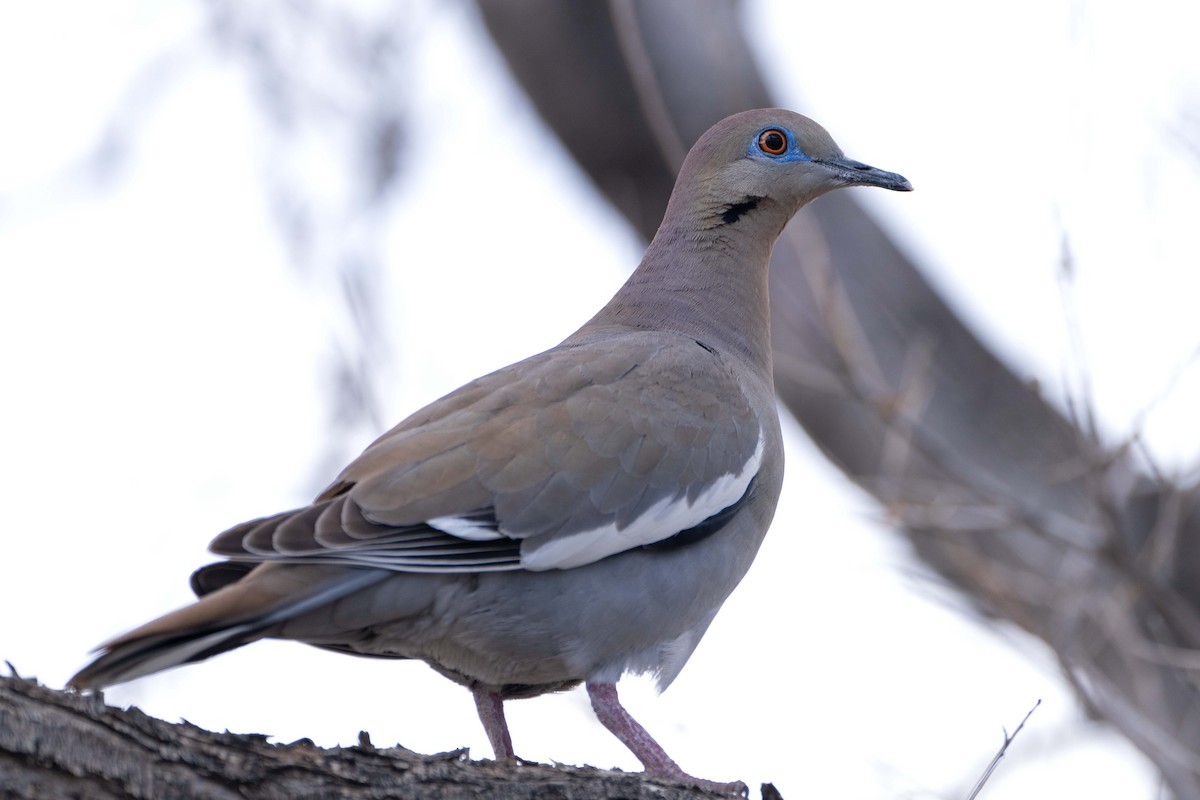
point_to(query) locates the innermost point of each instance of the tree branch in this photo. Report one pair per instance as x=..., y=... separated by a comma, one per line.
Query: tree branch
x=67, y=745
x=1016, y=505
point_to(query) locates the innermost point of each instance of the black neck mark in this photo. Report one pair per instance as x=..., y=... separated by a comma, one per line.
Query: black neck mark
x=735, y=211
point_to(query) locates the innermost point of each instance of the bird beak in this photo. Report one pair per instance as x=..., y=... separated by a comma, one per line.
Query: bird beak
x=856, y=173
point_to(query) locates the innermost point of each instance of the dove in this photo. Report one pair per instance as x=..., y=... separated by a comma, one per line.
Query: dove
x=567, y=519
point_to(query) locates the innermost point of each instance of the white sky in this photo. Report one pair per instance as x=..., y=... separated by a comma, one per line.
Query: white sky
x=161, y=362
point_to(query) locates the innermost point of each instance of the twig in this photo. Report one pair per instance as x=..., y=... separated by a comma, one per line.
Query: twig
x=1008, y=739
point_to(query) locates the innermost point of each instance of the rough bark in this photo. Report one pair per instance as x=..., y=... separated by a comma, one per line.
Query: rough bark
x=64, y=745
x=1012, y=502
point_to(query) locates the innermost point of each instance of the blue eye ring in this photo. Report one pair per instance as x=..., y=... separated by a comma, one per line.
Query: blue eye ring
x=773, y=142
x=776, y=143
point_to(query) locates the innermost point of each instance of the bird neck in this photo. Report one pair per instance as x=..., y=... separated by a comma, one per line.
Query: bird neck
x=705, y=276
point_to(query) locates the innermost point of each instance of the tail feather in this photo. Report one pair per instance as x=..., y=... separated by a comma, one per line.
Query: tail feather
x=234, y=615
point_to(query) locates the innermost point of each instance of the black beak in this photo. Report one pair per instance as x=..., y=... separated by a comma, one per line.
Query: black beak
x=856, y=173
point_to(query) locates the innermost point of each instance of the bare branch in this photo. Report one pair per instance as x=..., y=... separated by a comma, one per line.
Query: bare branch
x=61, y=744
x=1008, y=739
x=1019, y=506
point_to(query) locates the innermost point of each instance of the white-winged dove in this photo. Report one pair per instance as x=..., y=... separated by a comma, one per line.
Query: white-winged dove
x=569, y=518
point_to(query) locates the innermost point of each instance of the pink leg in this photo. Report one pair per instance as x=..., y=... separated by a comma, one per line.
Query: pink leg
x=490, y=706
x=613, y=716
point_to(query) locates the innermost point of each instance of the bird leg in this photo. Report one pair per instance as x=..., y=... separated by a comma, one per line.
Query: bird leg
x=490, y=706
x=613, y=716
x=658, y=764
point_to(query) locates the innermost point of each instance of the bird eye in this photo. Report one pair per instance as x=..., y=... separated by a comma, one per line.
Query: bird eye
x=773, y=142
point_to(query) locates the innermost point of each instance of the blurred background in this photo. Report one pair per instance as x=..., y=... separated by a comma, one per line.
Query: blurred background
x=237, y=241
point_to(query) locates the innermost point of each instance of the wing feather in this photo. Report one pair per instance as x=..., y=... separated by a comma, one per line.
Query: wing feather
x=569, y=457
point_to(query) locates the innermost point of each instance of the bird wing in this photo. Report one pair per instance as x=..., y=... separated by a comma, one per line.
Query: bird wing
x=572, y=455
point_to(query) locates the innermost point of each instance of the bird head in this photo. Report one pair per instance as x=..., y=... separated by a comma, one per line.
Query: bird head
x=778, y=155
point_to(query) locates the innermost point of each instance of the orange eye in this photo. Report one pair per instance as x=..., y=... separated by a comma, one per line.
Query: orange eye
x=773, y=142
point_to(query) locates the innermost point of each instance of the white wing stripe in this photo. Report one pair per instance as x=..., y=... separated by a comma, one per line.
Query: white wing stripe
x=662, y=520
x=465, y=528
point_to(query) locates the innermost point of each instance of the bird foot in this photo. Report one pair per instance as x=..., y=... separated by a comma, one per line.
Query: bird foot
x=658, y=764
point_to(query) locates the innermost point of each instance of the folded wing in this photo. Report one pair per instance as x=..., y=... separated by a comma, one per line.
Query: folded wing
x=555, y=462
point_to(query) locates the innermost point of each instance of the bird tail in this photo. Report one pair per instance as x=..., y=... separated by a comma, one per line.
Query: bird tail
x=236, y=614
